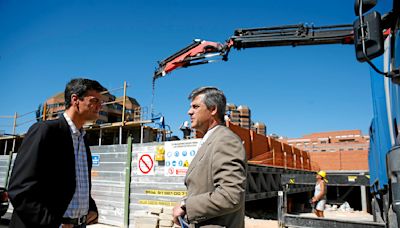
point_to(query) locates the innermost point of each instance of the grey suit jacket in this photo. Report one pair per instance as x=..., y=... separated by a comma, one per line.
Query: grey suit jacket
x=216, y=182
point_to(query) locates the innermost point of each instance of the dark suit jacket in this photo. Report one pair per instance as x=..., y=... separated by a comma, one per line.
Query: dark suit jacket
x=42, y=182
x=216, y=182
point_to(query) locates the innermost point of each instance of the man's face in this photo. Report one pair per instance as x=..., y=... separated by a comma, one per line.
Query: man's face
x=90, y=105
x=200, y=116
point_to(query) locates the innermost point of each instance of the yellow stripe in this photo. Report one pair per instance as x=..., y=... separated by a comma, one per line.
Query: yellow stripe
x=156, y=202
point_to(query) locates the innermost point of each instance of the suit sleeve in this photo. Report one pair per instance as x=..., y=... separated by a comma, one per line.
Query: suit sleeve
x=23, y=187
x=229, y=178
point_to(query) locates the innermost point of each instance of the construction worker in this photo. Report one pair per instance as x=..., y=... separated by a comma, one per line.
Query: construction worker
x=319, y=198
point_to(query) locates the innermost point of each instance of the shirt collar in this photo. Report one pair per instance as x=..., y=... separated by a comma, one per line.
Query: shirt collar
x=72, y=126
x=208, y=134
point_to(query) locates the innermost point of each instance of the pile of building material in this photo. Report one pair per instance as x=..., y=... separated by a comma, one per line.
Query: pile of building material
x=265, y=150
x=345, y=207
x=154, y=218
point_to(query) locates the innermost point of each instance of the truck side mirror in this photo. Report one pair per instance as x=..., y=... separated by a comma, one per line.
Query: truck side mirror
x=368, y=36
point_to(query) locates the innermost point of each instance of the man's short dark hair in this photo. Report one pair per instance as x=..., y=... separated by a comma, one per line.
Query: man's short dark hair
x=213, y=97
x=80, y=86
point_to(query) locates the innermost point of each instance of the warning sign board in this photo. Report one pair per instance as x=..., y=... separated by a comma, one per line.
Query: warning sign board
x=145, y=164
x=178, y=155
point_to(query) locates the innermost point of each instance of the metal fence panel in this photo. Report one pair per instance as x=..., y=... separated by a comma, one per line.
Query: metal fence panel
x=147, y=192
x=108, y=182
x=152, y=191
x=4, y=163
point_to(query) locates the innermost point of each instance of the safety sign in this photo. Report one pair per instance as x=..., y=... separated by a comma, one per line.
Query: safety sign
x=95, y=159
x=145, y=164
x=179, y=154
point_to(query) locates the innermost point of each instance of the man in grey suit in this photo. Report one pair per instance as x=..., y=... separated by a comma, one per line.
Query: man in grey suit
x=216, y=178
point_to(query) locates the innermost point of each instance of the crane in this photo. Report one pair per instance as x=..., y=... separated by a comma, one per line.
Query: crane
x=202, y=51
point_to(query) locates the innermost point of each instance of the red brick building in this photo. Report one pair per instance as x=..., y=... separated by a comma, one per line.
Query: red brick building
x=336, y=150
x=109, y=113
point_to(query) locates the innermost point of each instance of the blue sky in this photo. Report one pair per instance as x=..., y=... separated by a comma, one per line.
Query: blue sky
x=294, y=91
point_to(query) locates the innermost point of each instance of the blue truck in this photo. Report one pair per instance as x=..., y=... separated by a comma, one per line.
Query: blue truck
x=384, y=152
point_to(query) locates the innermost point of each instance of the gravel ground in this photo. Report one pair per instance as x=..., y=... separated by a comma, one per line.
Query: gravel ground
x=260, y=223
x=353, y=216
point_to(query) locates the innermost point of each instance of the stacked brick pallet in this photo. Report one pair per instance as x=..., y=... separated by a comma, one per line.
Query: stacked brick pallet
x=232, y=113
x=241, y=116
x=268, y=151
x=244, y=116
x=238, y=116
x=259, y=128
x=155, y=218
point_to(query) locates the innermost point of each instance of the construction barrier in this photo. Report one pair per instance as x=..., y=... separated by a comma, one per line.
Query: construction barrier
x=108, y=182
x=4, y=168
x=157, y=184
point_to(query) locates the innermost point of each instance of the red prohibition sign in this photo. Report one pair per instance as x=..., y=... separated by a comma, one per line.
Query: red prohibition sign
x=145, y=163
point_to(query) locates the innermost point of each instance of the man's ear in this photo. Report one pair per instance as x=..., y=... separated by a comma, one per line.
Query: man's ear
x=74, y=99
x=214, y=110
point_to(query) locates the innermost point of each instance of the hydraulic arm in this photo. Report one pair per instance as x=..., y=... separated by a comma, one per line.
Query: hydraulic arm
x=201, y=51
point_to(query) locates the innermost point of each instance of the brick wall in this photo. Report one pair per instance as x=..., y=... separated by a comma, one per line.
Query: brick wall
x=343, y=160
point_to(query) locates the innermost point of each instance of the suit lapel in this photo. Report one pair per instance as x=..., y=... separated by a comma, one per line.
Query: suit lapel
x=67, y=132
x=201, y=152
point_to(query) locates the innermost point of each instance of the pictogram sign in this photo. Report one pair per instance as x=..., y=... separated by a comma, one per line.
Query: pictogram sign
x=146, y=163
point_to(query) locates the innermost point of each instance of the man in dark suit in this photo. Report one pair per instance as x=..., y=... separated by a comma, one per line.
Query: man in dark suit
x=51, y=178
x=216, y=178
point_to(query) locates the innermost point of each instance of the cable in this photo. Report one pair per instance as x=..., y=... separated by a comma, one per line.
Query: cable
x=363, y=42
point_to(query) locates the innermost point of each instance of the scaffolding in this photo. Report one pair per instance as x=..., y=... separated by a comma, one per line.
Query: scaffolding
x=120, y=116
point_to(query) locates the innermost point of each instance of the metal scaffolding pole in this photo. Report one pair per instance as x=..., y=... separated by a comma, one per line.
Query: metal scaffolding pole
x=100, y=135
x=120, y=135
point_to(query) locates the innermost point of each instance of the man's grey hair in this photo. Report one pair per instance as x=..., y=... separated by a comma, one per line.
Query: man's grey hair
x=213, y=97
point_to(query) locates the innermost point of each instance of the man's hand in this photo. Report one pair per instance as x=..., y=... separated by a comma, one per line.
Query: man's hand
x=92, y=218
x=314, y=200
x=176, y=212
